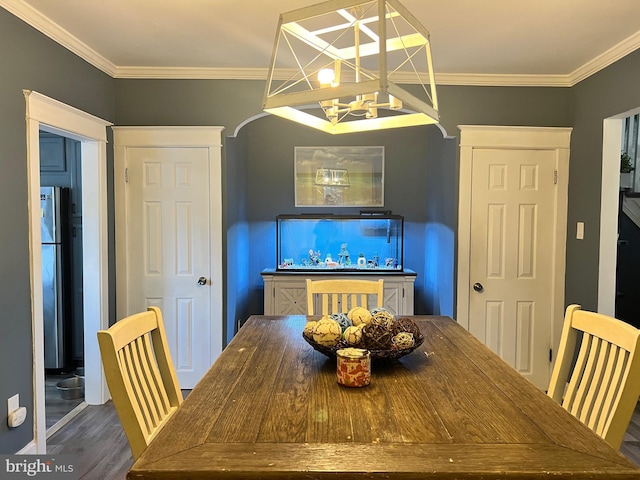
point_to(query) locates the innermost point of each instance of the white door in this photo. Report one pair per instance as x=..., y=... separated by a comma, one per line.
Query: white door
x=169, y=250
x=513, y=209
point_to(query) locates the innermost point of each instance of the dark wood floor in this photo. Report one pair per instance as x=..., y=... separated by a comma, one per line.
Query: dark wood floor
x=57, y=407
x=631, y=443
x=96, y=437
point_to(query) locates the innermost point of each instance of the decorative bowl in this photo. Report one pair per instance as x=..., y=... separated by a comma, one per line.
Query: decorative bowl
x=389, y=354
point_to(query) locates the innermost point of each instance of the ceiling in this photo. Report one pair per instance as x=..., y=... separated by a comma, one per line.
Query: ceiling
x=474, y=42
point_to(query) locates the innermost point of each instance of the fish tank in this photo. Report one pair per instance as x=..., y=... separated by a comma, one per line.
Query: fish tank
x=325, y=242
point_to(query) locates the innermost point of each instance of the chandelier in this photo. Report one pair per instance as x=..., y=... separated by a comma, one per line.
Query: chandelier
x=350, y=66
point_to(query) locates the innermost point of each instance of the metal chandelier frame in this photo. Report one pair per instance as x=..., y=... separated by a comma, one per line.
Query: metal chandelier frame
x=347, y=66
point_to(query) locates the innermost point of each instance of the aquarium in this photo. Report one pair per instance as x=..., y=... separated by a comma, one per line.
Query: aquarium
x=365, y=242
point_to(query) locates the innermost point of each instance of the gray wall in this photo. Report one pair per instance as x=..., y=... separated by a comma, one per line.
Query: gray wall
x=258, y=171
x=610, y=92
x=32, y=61
x=29, y=61
x=411, y=155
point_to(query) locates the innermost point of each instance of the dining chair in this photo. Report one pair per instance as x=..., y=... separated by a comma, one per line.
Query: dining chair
x=340, y=296
x=596, y=376
x=140, y=375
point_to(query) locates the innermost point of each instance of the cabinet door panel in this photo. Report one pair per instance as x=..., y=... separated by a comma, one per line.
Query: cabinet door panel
x=393, y=297
x=290, y=298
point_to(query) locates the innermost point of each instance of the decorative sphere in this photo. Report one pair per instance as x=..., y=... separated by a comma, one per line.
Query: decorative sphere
x=379, y=309
x=359, y=315
x=403, y=340
x=376, y=336
x=342, y=319
x=405, y=324
x=352, y=335
x=327, y=332
x=310, y=327
x=383, y=318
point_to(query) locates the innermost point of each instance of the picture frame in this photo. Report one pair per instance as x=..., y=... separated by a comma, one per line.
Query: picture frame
x=341, y=176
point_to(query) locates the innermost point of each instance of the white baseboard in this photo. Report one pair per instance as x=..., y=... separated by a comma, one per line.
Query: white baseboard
x=67, y=418
x=29, y=449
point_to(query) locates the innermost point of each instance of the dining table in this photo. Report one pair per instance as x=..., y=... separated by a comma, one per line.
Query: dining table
x=270, y=407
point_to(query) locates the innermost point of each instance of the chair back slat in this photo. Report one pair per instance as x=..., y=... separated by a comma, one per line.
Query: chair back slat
x=340, y=296
x=600, y=384
x=618, y=358
x=132, y=384
x=603, y=381
x=150, y=372
x=140, y=376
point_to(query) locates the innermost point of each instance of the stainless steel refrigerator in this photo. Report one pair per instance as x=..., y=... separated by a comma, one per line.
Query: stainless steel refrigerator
x=56, y=275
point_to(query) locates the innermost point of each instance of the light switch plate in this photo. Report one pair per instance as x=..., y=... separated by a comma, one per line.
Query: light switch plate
x=580, y=231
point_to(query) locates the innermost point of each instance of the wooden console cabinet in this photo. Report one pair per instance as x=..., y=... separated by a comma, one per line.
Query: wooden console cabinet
x=285, y=293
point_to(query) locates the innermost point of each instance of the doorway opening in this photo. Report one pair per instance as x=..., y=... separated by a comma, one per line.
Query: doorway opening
x=48, y=115
x=609, y=207
x=61, y=230
x=628, y=255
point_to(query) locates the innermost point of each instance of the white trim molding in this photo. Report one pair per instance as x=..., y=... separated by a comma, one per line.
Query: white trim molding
x=44, y=113
x=45, y=25
x=209, y=137
x=508, y=137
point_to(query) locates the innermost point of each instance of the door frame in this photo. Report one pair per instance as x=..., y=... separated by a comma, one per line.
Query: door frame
x=484, y=136
x=609, y=204
x=209, y=137
x=44, y=113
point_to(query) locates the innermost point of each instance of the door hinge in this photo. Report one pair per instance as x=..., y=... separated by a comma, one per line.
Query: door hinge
x=555, y=177
x=126, y=175
x=550, y=355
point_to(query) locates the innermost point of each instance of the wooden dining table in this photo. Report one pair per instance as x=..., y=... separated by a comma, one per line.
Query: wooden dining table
x=270, y=408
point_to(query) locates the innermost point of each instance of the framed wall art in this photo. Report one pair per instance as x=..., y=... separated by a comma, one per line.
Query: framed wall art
x=339, y=176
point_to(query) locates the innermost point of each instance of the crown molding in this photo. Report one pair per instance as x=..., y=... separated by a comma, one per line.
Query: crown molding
x=409, y=78
x=191, y=73
x=58, y=34
x=502, y=80
x=44, y=25
x=606, y=58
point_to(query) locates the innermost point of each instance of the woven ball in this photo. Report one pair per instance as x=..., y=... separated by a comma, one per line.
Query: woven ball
x=383, y=318
x=310, y=327
x=359, y=315
x=352, y=335
x=377, y=336
x=379, y=309
x=342, y=319
x=405, y=324
x=403, y=340
x=327, y=332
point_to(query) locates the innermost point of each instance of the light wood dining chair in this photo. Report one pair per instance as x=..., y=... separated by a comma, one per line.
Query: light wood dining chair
x=340, y=296
x=140, y=376
x=600, y=382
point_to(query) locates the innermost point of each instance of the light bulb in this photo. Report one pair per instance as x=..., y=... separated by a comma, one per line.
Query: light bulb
x=326, y=76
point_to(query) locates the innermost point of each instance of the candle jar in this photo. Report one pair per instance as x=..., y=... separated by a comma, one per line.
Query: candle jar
x=354, y=367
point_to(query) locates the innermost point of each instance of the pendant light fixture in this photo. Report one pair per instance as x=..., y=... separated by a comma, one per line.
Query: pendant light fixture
x=350, y=66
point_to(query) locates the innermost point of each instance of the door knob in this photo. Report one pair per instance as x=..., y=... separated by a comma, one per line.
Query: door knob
x=202, y=281
x=478, y=287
